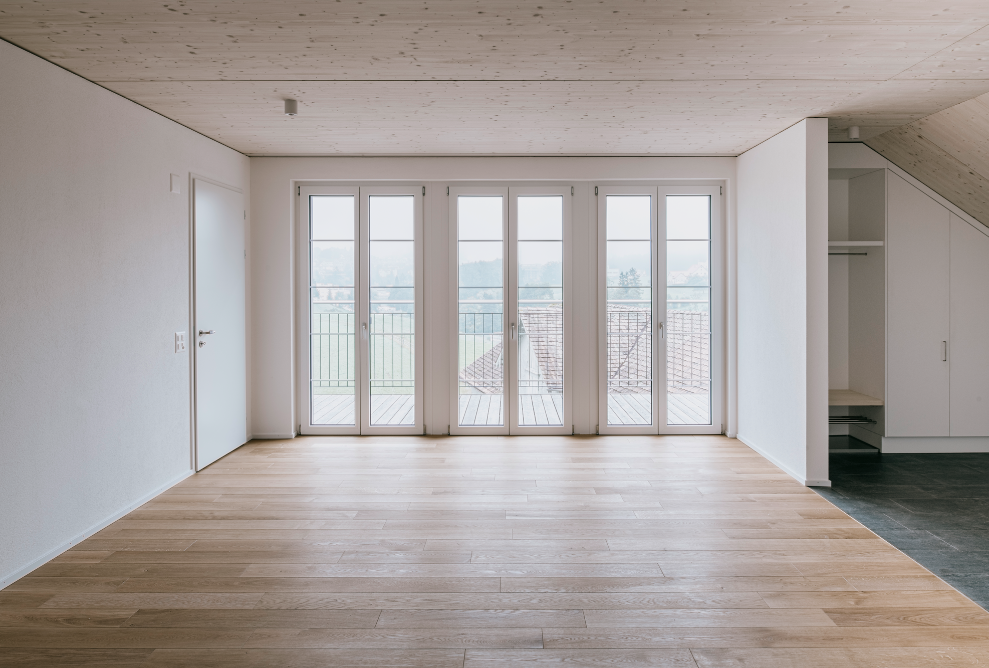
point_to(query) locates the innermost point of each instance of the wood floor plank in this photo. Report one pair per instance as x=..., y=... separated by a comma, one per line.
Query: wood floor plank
x=457, y=619
x=36, y=657
x=478, y=658
x=265, y=618
x=843, y=658
x=64, y=618
x=676, y=584
x=764, y=637
x=702, y=618
x=511, y=601
x=970, y=615
x=308, y=658
x=672, y=551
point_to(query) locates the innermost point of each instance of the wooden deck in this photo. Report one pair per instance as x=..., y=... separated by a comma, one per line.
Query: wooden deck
x=635, y=409
x=386, y=409
x=486, y=409
x=675, y=551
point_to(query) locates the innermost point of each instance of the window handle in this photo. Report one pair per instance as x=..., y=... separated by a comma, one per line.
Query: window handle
x=363, y=330
x=662, y=331
x=513, y=331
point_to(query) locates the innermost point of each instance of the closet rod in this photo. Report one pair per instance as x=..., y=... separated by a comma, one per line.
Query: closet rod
x=847, y=253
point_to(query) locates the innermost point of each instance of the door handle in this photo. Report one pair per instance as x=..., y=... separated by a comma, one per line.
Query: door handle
x=944, y=351
x=204, y=333
x=363, y=330
x=513, y=331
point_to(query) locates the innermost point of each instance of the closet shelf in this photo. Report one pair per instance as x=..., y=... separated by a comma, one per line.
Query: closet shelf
x=850, y=398
x=853, y=244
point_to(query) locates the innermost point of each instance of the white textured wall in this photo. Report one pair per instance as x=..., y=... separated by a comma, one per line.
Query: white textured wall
x=273, y=182
x=94, y=281
x=782, y=218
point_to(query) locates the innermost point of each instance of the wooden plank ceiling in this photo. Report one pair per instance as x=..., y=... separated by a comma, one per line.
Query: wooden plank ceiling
x=568, y=77
x=947, y=151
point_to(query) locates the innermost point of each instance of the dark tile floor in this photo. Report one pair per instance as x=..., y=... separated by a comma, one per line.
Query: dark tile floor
x=934, y=508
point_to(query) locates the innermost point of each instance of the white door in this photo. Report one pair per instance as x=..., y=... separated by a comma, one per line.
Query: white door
x=660, y=315
x=359, y=311
x=511, y=297
x=219, y=328
x=968, y=354
x=917, y=293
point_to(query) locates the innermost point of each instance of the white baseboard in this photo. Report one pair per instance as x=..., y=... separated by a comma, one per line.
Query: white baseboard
x=274, y=436
x=935, y=445
x=806, y=482
x=10, y=578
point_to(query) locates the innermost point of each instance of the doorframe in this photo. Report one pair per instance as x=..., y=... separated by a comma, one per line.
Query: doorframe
x=190, y=340
x=566, y=192
x=364, y=310
x=602, y=192
x=716, y=345
x=303, y=315
x=454, y=194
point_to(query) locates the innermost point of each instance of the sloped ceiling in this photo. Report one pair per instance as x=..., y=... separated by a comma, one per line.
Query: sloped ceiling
x=948, y=152
x=552, y=77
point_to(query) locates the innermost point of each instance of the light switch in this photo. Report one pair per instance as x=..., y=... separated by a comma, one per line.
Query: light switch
x=175, y=183
x=180, y=342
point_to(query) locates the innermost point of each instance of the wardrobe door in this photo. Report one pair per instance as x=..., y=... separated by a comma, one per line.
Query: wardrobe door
x=917, y=292
x=968, y=350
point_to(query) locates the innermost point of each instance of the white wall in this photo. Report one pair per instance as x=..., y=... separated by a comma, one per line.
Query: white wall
x=782, y=226
x=273, y=188
x=94, y=281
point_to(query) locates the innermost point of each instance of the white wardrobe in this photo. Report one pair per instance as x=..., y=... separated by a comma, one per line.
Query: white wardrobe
x=908, y=310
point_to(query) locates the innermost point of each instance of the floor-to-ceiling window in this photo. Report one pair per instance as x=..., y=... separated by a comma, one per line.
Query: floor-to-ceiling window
x=511, y=276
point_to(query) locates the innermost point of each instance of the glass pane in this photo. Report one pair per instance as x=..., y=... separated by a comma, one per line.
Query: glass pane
x=540, y=311
x=481, y=326
x=479, y=217
x=332, y=322
x=688, y=263
x=332, y=216
x=540, y=264
x=688, y=311
x=332, y=263
x=391, y=321
x=392, y=264
x=688, y=300
x=540, y=218
x=628, y=216
x=629, y=271
x=688, y=217
x=391, y=217
x=629, y=310
x=480, y=264
x=332, y=360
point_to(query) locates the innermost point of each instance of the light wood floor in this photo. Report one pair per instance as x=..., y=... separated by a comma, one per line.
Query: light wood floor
x=489, y=553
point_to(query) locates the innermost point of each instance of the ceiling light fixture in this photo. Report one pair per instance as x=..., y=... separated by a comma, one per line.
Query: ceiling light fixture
x=291, y=107
x=853, y=132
